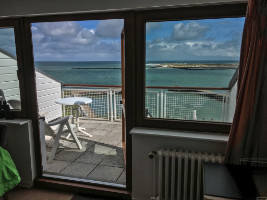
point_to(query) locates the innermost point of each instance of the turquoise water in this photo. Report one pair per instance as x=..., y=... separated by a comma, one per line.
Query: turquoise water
x=179, y=105
x=109, y=73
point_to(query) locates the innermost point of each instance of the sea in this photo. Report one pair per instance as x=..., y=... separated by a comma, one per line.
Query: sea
x=109, y=73
x=179, y=105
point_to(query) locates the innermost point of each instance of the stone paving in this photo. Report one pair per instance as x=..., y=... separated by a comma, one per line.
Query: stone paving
x=101, y=158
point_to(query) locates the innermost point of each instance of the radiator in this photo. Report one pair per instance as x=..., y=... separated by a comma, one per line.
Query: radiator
x=178, y=174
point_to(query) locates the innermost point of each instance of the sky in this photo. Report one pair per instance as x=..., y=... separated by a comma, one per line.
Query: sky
x=95, y=40
x=99, y=40
x=208, y=39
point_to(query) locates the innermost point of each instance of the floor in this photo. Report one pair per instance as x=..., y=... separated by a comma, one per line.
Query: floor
x=101, y=158
x=42, y=194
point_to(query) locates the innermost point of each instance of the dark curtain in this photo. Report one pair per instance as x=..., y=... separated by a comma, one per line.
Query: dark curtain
x=248, y=135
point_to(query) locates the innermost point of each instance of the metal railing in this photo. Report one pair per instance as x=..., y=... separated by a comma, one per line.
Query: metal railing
x=198, y=105
x=203, y=104
x=105, y=102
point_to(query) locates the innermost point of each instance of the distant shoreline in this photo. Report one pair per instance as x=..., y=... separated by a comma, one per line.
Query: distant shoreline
x=194, y=66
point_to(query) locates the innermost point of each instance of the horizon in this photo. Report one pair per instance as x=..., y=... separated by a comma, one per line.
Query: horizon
x=146, y=61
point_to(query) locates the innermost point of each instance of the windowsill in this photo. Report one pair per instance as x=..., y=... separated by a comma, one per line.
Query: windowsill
x=180, y=134
x=14, y=121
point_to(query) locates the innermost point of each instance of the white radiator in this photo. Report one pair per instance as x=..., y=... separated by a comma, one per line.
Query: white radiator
x=178, y=174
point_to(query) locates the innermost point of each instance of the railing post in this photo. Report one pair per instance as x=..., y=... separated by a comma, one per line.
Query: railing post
x=161, y=103
x=223, y=108
x=165, y=104
x=111, y=107
x=63, y=105
x=226, y=107
x=157, y=104
x=108, y=104
x=114, y=105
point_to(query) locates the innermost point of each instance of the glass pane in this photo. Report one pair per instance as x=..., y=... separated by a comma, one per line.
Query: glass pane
x=191, y=69
x=79, y=63
x=9, y=83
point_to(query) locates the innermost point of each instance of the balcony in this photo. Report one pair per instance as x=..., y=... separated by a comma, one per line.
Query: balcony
x=101, y=158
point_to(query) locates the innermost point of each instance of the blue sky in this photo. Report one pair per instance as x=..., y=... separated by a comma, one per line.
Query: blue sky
x=209, y=39
x=95, y=40
x=99, y=40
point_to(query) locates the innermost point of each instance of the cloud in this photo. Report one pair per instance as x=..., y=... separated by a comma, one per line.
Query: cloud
x=152, y=26
x=70, y=41
x=161, y=49
x=190, y=31
x=109, y=28
x=59, y=28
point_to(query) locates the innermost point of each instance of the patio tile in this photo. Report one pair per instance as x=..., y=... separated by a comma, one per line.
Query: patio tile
x=89, y=124
x=68, y=155
x=62, y=143
x=99, y=148
x=105, y=173
x=110, y=140
x=122, y=178
x=115, y=159
x=79, y=170
x=98, y=134
x=48, y=150
x=56, y=166
x=86, y=144
x=118, y=129
x=90, y=157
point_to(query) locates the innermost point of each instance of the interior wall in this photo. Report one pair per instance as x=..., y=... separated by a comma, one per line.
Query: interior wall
x=11, y=8
x=145, y=140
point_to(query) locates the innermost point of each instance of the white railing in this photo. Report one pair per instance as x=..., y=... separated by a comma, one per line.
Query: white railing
x=187, y=105
x=105, y=105
x=198, y=105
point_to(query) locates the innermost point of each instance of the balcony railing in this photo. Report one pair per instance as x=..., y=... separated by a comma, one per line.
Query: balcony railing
x=203, y=104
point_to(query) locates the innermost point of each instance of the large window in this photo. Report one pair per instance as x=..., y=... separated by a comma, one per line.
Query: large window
x=189, y=66
x=189, y=58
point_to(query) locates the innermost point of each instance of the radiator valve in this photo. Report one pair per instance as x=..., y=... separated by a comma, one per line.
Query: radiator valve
x=151, y=154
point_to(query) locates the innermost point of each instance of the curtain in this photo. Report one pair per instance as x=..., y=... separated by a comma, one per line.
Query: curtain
x=248, y=135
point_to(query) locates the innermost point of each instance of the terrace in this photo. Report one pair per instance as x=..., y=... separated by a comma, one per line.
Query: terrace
x=101, y=158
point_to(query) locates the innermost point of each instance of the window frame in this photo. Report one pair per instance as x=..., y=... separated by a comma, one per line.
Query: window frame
x=15, y=24
x=176, y=14
x=128, y=17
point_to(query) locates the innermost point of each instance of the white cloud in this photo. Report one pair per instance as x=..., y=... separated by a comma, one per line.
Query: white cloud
x=192, y=30
x=109, y=28
x=152, y=26
x=70, y=41
x=59, y=28
x=160, y=49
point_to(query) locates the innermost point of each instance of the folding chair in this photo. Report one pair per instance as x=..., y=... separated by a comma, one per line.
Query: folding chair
x=63, y=121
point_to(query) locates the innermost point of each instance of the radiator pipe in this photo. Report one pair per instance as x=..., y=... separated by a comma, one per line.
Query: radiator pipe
x=151, y=154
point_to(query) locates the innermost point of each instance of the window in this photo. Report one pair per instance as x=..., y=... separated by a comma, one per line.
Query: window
x=190, y=65
x=10, y=78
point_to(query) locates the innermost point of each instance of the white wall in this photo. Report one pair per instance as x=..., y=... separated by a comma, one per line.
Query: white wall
x=232, y=103
x=48, y=91
x=8, y=77
x=32, y=7
x=146, y=140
